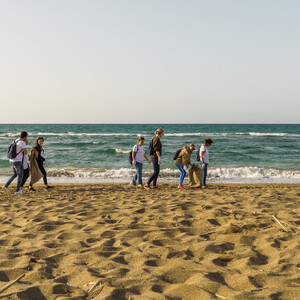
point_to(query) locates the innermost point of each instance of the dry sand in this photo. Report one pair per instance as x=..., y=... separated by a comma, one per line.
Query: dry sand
x=218, y=243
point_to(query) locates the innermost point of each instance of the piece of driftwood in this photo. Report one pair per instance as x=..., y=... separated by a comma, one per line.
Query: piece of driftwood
x=279, y=223
x=94, y=285
x=11, y=283
x=219, y=296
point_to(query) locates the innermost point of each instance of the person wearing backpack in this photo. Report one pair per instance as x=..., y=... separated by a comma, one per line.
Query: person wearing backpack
x=204, y=157
x=182, y=160
x=16, y=152
x=155, y=152
x=138, y=156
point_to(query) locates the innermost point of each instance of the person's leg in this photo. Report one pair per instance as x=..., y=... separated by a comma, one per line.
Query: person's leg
x=156, y=171
x=204, y=174
x=20, y=171
x=181, y=170
x=183, y=176
x=135, y=176
x=44, y=173
x=25, y=177
x=15, y=174
x=153, y=174
x=139, y=168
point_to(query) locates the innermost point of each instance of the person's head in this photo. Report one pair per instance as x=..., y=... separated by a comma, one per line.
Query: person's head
x=141, y=141
x=191, y=147
x=208, y=142
x=159, y=132
x=23, y=135
x=39, y=141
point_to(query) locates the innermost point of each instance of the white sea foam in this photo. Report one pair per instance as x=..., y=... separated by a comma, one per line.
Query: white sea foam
x=122, y=151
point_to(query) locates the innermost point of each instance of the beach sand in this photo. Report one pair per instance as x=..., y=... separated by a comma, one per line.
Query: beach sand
x=217, y=243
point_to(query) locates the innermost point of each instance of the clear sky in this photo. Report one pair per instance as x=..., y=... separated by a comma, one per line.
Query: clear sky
x=154, y=61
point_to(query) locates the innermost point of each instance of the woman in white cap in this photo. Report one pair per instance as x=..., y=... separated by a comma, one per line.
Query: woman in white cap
x=155, y=152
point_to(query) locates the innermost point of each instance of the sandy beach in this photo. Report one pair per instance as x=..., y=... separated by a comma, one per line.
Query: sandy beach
x=114, y=241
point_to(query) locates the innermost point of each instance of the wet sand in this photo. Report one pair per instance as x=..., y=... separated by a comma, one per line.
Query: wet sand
x=218, y=243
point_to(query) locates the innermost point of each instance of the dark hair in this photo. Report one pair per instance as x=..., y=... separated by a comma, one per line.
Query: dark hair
x=208, y=141
x=23, y=134
x=141, y=138
x=37, y=141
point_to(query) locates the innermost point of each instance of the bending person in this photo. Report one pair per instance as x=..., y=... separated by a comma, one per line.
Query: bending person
x=37, y=159
x=182, y=162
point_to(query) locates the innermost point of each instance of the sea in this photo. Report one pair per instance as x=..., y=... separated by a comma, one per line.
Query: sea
x=241, y=153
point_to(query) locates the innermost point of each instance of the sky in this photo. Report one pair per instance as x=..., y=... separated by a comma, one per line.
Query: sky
x=158, y=61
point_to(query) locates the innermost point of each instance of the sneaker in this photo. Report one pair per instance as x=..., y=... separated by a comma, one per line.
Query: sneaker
x=19, y=192
x=147, y=186
x=31, y=189
x=140, y=186
x=180, y=186
x=204, y=187
x=49, y=187
x=155, y=187
x=4, y=187
x=131, y=183
x=24, y=190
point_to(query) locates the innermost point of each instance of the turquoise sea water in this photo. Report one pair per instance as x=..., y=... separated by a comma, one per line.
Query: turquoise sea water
x=98, y=152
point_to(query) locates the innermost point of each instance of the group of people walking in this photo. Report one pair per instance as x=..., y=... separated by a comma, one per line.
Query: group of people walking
x=20, y=159
x=182, y=160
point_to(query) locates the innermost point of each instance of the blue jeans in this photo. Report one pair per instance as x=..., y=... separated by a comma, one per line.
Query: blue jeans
x=18, y=171
x=182, y=173
x=138, y=175
x=204, y=174
x=154, y=175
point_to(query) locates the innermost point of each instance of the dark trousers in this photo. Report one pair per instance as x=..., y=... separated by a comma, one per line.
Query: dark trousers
x=25, y=176
x=204, y=174
x=154, y=175
x=41, y=167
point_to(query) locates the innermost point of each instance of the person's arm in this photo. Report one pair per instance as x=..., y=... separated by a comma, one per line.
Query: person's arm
x=24, y=148
x=202, y=155
x=146, y=159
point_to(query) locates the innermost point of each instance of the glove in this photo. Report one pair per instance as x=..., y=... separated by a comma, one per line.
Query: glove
x=133, y=162
x=185, y=167
x=159, y=160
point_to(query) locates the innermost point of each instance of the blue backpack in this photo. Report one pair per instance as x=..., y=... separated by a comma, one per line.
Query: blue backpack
x=176, y=154
x=12, y=150
x=151, y=148
x=198, y=155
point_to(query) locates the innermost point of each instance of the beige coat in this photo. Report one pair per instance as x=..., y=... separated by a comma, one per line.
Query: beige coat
x=35, y=172
x=184, y=157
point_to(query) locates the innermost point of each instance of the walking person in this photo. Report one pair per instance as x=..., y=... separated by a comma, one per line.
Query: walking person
x=17, y=161
x=183, y=161
x=204, y=157
x=37, y=158
x=155, y=149
x=138, y=156
x=25, y=170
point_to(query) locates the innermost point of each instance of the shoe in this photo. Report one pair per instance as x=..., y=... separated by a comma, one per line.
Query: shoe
x=204, y=187
x=147, y=186
x=49, y=187
x=4, y=187
x=131, y=183
x=140, y=186
x=180, y=186
x=19, y=192
x=155, y=187
x=31, y=189
x=24, y=190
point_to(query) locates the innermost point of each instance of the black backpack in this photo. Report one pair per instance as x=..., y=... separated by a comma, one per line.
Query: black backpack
x=12, y=150
x=130, y=155
x=151, y=148
x=176, y=154
x=198, y=155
